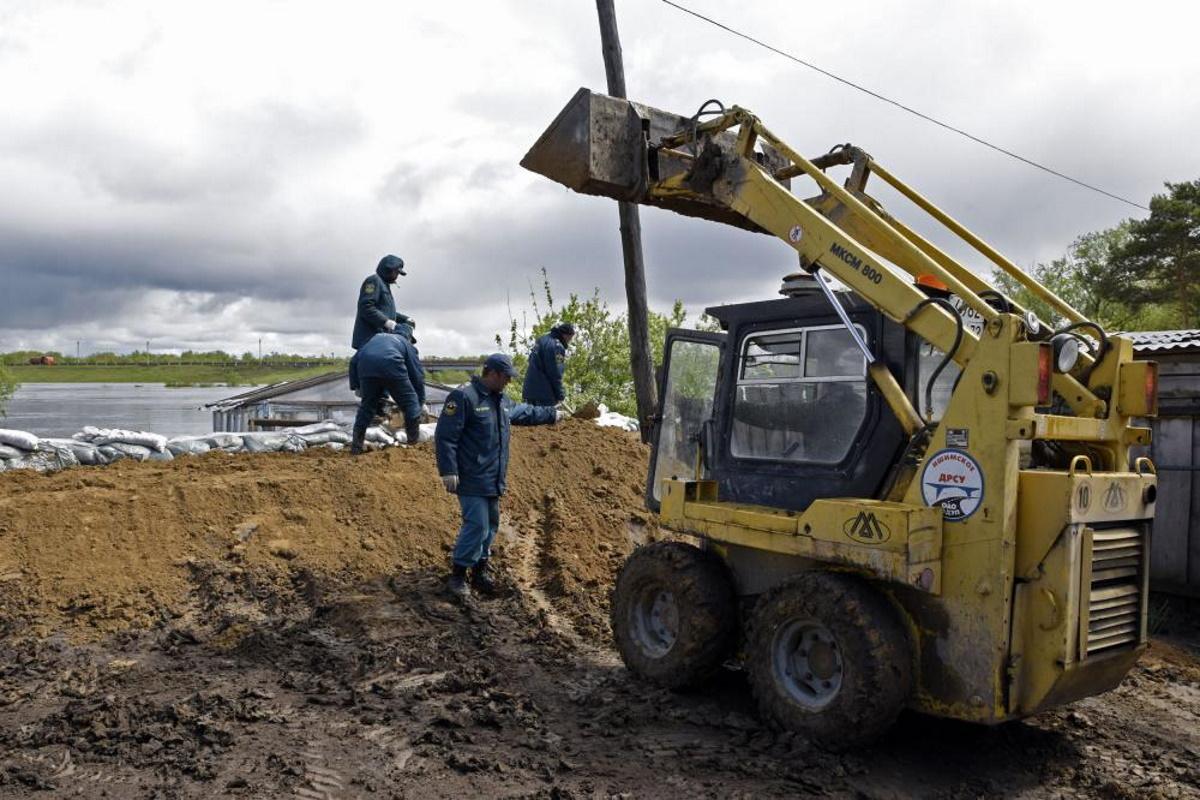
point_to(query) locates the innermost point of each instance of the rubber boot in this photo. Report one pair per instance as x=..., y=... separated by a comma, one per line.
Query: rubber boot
x=457, y=585
x=412, y=430
x=356, y=443
x=481, y=579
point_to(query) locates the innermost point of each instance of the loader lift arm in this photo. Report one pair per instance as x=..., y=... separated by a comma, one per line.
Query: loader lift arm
x=733, y=169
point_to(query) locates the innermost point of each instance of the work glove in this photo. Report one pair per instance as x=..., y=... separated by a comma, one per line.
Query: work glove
x=450, y=482
x=560, y=414
x=390, y=325
x=425, y=412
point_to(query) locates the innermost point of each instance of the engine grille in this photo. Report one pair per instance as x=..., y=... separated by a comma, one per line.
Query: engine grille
x=1115, y=598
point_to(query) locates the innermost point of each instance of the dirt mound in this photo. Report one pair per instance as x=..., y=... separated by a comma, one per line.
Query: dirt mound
x=95, y=551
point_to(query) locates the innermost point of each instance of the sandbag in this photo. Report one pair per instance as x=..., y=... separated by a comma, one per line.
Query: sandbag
x=425, y=435
x=110, y=453
x=263, y=442
x=65, y=455
x=22, y=440
x=316, y=427
x=134, y=451
x=39, y=461
x=294, y=444
x=188, y=445
x=333, y=446
x=378, y=434
x=165, y=455
x=151, y=441
x=10, y=452
x=336, y=436
x=224, y=441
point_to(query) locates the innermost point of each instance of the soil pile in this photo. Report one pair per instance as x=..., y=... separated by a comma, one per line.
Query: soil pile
x=102, y=550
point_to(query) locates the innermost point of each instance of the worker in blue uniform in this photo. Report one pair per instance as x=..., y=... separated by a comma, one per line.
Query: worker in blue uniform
x=376, y=308
x=547, y=360
x=472, y=457
x=389, y=364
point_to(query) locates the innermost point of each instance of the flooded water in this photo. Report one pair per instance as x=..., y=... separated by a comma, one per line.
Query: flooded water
x=61, y=409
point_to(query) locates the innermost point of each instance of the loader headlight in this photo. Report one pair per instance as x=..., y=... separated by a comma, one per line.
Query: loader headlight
x=1066, y=352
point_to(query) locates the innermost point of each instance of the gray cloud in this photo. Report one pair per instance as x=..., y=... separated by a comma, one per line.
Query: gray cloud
x=259, y=215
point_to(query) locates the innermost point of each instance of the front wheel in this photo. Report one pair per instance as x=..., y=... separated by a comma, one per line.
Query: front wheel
x=828, y=656
x=674, y=614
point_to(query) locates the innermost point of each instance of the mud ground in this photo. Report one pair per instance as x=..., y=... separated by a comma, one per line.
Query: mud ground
x=273, y=626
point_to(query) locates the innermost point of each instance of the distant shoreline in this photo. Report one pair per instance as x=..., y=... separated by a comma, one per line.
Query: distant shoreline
x=172, y=375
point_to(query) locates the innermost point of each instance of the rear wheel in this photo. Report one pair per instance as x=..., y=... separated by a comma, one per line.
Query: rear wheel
x=674, y=614
x=827, y=656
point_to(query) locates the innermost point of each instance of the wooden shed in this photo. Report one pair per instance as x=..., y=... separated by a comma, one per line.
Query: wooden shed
x=1175, y=549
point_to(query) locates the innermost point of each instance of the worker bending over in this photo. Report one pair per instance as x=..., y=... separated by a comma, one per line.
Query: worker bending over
x=472, y=458
x=544, y=377
x=389, y=364
x=376, y=309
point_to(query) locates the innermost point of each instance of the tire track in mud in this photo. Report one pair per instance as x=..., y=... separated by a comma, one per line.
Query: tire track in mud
x=321, y=782
x=532, y=569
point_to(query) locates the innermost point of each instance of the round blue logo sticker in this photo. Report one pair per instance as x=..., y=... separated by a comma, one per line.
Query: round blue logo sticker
x=953, y=480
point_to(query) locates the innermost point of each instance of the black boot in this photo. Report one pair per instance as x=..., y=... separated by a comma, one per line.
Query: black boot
x=356, y=443
x=481, y=579
x=457, y=585
x=412, y=430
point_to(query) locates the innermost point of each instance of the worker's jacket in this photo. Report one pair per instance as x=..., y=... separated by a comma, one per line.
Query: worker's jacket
x=472, y=436
x=543, y=377
x=375, y=307
x=390, y=357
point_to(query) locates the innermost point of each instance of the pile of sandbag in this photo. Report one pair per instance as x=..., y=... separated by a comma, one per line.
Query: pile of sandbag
x=98, y=446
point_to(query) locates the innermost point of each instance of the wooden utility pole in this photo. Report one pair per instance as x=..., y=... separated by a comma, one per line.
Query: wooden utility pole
x=631, y=241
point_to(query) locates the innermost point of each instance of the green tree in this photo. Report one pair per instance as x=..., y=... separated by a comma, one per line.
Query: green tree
x=1159, y=264
x=1079, y=278
x=598, y=366
x=8, y=385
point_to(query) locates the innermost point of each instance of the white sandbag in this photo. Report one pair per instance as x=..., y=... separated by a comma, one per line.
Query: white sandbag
x=151, y=441
x=10, y=452
x=22, y=440
x=425, y=435
x=224, y=441
x=316, y=427
x=378, y=434
x=165, y=455
x=81, y=452
x=65, y=455
x=333, y=446
x=337, y=436
x=188, y=446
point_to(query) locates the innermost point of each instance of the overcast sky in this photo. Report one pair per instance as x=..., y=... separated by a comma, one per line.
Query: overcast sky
x=203, y=175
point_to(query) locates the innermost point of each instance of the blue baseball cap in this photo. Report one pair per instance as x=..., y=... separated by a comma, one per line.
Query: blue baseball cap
x=499, y=362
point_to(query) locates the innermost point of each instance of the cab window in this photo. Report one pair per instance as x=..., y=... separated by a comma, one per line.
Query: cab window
x=801, y=395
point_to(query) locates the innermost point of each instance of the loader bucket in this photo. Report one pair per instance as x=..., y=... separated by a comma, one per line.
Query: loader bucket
x=604, y=146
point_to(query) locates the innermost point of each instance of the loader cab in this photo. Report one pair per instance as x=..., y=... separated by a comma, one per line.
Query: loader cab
x=778, y=408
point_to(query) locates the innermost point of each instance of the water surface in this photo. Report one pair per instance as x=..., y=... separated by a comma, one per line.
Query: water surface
x=61, y=409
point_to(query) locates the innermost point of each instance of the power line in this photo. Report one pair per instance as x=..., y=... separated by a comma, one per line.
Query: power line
x=903, y=107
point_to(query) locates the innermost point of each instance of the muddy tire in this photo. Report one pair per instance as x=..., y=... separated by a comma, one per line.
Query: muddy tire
x=674, y=614
x=827, y=656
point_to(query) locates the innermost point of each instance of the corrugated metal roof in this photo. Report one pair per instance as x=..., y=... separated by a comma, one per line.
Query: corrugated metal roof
x=1162, y=341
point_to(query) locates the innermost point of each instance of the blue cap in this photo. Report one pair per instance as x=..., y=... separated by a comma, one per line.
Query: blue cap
x=499, y=362
x=393, y=263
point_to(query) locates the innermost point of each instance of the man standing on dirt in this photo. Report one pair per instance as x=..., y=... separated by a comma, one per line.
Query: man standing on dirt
x=376, y=308
x=472, y=457
x=389, y=364
x=544, y=378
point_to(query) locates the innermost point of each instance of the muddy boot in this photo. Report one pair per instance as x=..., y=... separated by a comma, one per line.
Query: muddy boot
x=457, y=585
x=481, y=579
x=412, y=431
x=356, y=443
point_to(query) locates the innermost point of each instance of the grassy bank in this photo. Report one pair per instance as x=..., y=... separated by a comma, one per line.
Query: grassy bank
x=172, y=375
